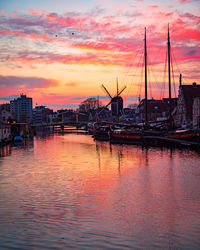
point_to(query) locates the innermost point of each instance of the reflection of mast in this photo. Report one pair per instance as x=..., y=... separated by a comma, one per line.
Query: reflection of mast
x=145, y=57
x=120, y=156
x=145, y=150
x=98, y=155
x=119, y=161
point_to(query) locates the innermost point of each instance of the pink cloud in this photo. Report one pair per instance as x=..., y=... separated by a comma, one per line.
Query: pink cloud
x=22, y=34
x=25, y=83
x=100, y=39
x=184, y=1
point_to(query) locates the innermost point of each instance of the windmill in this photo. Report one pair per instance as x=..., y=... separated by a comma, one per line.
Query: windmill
x=116, y=101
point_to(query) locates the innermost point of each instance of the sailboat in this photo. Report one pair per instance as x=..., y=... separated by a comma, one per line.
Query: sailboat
x=186, y=134
x=148, y=136
x=133, y=134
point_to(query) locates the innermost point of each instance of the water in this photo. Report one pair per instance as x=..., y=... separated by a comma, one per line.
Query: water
x=68, y=191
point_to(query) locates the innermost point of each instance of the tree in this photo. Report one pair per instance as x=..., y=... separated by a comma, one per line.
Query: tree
x=89, y=104
x=133, y=106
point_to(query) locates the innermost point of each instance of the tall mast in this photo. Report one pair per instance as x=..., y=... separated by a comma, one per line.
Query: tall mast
x=117, y=101
x=145, y=58
x=169, y=76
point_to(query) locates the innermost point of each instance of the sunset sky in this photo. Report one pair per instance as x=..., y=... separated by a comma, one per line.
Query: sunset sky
x=60, y=52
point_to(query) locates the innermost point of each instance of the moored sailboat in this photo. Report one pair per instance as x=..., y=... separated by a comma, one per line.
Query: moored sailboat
x=147, y=135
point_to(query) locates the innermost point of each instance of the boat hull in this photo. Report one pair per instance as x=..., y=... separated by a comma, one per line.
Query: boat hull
x=126, y=137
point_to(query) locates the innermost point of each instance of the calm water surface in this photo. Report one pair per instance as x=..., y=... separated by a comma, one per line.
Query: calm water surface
x=68, y=191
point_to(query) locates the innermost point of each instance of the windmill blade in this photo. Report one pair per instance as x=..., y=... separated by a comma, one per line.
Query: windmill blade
x=105, y=107
x=122, y=90
x=106, y=91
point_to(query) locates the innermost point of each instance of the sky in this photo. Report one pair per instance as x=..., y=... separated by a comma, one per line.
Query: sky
x=61, y=52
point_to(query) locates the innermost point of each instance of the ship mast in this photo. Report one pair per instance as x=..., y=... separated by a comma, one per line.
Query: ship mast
x=145, y=58
x=169, y=76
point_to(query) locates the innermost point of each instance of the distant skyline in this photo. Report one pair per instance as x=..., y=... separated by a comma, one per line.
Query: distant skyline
x=60, y=52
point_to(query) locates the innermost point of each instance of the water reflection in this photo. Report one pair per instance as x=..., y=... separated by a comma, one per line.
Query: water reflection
x=5, y=150
x=68, y=191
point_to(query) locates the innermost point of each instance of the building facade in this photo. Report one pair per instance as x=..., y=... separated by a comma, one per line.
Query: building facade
x=5, y=116
x=5, y=133
x=186, y=97
x=196, y=112
x=22, y=109
x=157, y=110
x=41, y=114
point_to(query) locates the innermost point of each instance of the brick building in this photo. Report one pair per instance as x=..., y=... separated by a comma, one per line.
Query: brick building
x=186, y=97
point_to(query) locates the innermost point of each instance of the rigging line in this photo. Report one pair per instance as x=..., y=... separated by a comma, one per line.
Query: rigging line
x=156, y=54
x=149, y=83
x=151, y=70
x=175, y=61
x=140, y=67
x=173, y=77
x=165, y=73
x=141, y=76
x=179, y=68
x=154, y=76
x=137, y=52
x=186, y=80
x=134, y=75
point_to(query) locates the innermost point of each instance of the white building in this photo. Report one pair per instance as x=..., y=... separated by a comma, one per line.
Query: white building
x=196, y=112
x=22, y=109
x=5, y=133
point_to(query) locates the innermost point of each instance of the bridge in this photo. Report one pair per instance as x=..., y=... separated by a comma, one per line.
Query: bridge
x=60, y=123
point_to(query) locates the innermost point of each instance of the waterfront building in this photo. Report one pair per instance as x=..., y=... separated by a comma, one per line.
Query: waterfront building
x=41, y=114
x=157, y=109
x=21, y=108
x=196, y=112
x=5, y=116
x=185, y=109
x=53, y=117
x=5, y=133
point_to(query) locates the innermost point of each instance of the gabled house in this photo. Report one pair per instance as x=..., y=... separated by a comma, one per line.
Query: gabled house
x=186, y=97
x=196, y=112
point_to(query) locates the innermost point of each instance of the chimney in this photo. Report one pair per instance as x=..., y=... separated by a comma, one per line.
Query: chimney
x=180, y=80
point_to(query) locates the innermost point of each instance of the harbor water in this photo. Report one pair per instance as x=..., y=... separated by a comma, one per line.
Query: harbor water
x=69, y=191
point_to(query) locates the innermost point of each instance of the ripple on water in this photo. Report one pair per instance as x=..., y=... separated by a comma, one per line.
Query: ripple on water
x=71, y=192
